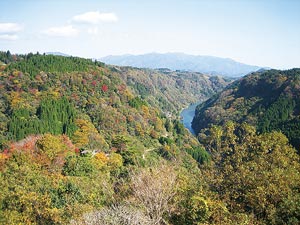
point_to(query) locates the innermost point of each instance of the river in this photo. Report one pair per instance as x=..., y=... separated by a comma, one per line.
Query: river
x=187, y=116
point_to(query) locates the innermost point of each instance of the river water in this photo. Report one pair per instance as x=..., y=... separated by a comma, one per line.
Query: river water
x=187, y=116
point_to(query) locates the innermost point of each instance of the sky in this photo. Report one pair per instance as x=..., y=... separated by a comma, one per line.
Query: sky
x=257, y=32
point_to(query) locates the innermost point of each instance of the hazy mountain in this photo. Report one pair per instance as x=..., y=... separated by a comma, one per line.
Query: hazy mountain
x=179, y=61
x=57, y=53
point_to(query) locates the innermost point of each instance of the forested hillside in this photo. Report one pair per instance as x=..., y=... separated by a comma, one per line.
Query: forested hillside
x=46, y=93
x=269, y=100
x=171, y=90
x=85, y=143
x=248, y=129
x=73, y=130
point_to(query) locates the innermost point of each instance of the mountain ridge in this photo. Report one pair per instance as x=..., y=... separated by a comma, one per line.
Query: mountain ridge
x=180, y=61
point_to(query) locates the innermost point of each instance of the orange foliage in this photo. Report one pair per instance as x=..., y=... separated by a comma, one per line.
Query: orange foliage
x=47, y=150
x=27, y=144
x=3, y=156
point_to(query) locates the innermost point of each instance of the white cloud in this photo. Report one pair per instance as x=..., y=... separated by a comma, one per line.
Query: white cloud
x=10, y=28
x=63, y=31
x=93, y=30
x=95, y=17
x=9, y=37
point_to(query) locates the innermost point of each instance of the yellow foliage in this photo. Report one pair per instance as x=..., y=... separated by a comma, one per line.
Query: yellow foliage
x=140, y=131
x=15, y=99
x=130, y=118
x=145, y=111
x=101, y=156
x=18, y=101
x=80, y=139
x=32, y=203
x=88, y=136
x=3, y=156
x=15, y=81
x=100, y=159
x=115, y=161
x=158, y=124
x=128, y=94
x=167, y=147
x=54, y=94
x=51, y=145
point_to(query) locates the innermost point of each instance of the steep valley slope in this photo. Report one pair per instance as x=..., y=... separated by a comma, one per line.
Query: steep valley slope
x=269, y=100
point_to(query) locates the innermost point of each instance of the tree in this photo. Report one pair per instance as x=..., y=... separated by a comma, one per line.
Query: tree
x=153, y=191
x=52, y=151
x=23, y=199
x=253, y=173
x=199, y=154
x=115, y=215
x=87, y=136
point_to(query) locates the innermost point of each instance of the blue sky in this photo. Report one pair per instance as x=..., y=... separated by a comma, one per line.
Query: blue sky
x=258, y=32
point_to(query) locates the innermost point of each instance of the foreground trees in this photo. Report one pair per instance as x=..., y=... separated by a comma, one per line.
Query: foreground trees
x=34, y=189
x=153, y=190
x=149, y=200
x=251, y=179
x=255, y=174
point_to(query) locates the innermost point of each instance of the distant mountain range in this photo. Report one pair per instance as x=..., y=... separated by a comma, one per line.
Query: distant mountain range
x=180, y=61
x=57, y=53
